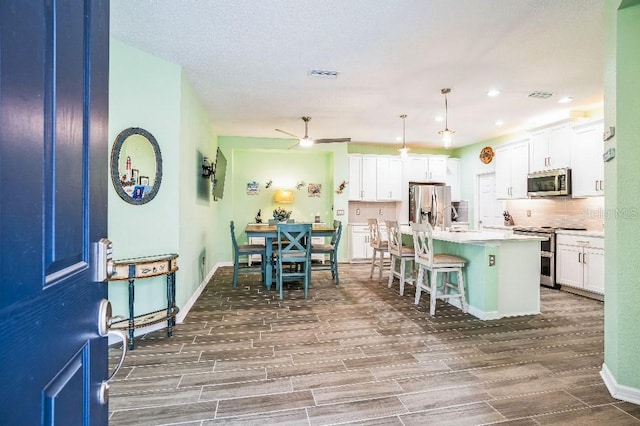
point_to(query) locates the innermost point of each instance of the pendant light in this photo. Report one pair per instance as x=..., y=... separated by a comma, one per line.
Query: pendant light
x=446, y=133
x=404, y=151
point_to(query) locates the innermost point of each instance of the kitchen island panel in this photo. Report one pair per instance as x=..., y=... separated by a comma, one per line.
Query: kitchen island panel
x=510, y=287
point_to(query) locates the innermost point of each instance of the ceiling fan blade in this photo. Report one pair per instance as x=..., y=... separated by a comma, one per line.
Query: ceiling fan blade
x=333, y=140
x=287, y=133
x=294, y=145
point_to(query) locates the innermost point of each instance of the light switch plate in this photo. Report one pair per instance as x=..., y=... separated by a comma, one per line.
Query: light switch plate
x=609, y=133
x=340, y=212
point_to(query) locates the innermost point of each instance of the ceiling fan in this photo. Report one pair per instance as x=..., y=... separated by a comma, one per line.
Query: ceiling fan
x=306, y=141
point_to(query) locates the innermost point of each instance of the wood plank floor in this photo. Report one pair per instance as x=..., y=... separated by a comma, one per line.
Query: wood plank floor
x=362, y=354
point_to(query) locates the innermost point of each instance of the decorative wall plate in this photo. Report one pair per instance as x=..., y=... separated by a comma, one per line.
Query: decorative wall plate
x=486, y=154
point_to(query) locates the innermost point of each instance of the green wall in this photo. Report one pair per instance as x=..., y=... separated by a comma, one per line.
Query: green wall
x=622, y=192
x=151, y=93
x=265, y=159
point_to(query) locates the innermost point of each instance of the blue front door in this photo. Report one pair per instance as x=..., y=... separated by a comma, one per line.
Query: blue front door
x=53, y=205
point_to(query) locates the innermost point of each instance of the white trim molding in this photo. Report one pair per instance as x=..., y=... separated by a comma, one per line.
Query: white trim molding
x=618, y=391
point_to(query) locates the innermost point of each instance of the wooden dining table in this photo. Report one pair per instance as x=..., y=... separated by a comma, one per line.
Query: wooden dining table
x=270, y=233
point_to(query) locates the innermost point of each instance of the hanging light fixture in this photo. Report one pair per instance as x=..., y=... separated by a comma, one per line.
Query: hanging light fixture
x=404, y=151
x=446, y=133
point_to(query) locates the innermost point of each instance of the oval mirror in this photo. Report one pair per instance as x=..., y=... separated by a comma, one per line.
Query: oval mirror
x=136, y=165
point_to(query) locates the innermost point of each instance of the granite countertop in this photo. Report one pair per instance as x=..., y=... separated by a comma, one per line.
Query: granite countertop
x=473, y=236
x=597, y=234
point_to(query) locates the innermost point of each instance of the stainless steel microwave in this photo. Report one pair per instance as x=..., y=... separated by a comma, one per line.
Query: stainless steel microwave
x=549, y=183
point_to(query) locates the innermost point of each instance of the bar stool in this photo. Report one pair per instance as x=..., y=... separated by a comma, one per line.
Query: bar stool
x=378, y=245
x=427, y=261
x=402, y=256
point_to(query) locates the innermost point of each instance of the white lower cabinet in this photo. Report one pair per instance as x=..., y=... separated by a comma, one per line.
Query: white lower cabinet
x=580, y=262
x=359, y=247
x=360, y=244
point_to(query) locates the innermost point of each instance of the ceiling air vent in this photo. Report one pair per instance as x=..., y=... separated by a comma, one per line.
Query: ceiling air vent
x=318, y=73
x=540, y=95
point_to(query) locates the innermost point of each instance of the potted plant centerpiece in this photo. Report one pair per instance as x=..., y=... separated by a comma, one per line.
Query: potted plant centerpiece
x=281, y=215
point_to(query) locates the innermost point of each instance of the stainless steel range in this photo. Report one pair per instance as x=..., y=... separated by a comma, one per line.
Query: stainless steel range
x=547, y=251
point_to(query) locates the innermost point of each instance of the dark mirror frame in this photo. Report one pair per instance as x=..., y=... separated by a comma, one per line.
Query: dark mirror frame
x=115, y=158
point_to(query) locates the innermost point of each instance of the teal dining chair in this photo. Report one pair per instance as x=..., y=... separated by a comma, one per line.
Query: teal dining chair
x=332, y=250
x=293, y=255
x=247, y=250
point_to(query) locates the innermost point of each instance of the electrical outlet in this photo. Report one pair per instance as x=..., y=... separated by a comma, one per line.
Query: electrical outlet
x=380, y=212
x=357, y=212
x=528, y=213
x=492, y=260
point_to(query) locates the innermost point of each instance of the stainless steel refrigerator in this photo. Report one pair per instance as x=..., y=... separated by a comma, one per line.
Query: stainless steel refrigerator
x=430, y=203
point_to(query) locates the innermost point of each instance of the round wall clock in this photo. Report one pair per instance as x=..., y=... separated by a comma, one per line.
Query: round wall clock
x=486, y=154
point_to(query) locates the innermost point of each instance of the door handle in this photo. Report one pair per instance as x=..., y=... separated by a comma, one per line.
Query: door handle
x=105, y=319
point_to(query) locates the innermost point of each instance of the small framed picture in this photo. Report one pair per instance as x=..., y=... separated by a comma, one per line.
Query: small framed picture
x=144, y=180
x=134, y=175
x=138, y=192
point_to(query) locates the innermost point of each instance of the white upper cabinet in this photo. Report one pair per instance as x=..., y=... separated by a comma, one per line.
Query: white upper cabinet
x=362, y=178
x=426, y=168
x=550, y=147
x=375, y=178
x=587, y=167
x=512, y=167
x=389, y=178
x=437, y=168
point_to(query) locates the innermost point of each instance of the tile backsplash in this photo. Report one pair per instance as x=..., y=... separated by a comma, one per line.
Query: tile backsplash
x=558, y=212
x=360, y=211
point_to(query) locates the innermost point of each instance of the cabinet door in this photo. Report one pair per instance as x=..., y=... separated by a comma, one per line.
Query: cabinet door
x=587, y=168
x=453, y=178
x=416, y=168
x=593, y=262
x=519, y=159
x=369, y=181
x=383, y=178
x=359, y=244
x=355, y=177
x=539, y=150
x=512, y=167
x=437, y=169
x=503, y=173
x=569, y=265
x=559, y=147
x=395, y=179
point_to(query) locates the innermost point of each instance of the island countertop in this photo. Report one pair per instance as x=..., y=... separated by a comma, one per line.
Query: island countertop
x=477, y=237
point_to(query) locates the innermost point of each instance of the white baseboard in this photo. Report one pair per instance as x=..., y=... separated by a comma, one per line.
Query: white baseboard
x=618, y=391
x=184, y=310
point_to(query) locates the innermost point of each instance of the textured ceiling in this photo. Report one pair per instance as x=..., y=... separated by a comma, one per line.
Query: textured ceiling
x=249, y=62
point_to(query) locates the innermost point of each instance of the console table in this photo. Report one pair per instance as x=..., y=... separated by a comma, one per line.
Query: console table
x=146, y=267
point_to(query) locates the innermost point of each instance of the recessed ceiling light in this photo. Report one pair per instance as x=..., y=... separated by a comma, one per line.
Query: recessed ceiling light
x=493, y=92
x=565, y=100
x=439, y=118
x=398, y=138
x=499, y=122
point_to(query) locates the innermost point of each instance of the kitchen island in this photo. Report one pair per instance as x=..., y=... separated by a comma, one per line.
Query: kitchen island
x=502, y=274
